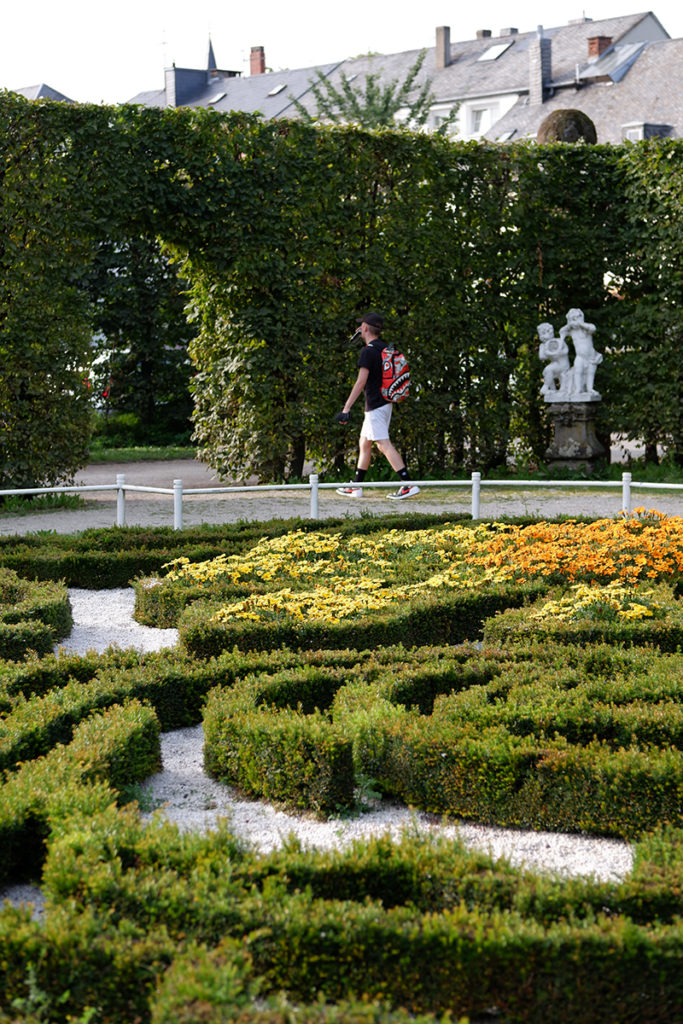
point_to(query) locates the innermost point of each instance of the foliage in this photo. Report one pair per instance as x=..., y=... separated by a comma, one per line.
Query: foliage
x=103, y=558
x=141, y=363
x=375, y=106
x=285, y=232
x=646, y=344
x=413, y=226
x=44, y=336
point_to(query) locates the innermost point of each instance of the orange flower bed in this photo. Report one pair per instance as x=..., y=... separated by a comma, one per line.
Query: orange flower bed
x=644, y=546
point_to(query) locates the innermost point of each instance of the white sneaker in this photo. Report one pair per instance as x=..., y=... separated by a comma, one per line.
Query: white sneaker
x=405, y=491
x=351, y=491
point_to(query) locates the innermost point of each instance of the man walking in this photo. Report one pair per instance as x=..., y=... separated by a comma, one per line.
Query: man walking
x=375, y=429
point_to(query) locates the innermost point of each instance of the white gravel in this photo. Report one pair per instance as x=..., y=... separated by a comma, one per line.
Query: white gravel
x=185, y=795
x=103, y=618
x=193, y=801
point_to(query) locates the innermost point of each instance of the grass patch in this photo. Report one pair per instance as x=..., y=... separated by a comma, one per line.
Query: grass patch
x=146, y=453
x=26, y=504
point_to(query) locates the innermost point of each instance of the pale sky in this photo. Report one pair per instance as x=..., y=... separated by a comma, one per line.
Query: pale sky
x=96, y=51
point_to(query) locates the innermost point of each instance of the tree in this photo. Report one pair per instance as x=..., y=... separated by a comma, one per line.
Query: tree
x=567, y=125
x=141, y=335
x=376, y=106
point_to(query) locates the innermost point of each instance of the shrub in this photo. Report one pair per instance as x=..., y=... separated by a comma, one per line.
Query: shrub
x=277, y=755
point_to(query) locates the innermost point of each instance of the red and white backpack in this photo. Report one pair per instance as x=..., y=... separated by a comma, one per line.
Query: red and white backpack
x=395, y=375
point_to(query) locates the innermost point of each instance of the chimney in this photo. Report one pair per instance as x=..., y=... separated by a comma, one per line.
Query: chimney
x=509, y=32
x=483, y=33
x=257, y=61
x=442, y=53
x=170, y=86
x=598, y=44
x=540, y=67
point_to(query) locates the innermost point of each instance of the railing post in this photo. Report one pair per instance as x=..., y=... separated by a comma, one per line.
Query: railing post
x=313, y=481
x=476, y=491
x=177, y=504
x=120, y=499
x=626, y=492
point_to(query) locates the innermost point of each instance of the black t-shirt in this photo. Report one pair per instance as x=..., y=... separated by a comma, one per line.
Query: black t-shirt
x=371, y=359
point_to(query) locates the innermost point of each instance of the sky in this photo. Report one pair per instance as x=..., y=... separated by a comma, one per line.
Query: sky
x=102, y=52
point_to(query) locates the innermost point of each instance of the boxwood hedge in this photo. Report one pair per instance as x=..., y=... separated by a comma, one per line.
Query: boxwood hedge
x=33, y=616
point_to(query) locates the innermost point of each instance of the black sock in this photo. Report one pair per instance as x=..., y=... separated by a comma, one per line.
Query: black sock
x=360, y=476
x=403, y=474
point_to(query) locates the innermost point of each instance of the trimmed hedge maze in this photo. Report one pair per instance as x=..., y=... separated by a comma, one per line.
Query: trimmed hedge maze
x=144, y=923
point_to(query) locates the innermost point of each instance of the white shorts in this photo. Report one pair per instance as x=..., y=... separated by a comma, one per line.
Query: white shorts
x=376, y=423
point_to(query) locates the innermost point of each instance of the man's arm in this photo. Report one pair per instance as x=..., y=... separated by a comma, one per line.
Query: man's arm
x=357, y=388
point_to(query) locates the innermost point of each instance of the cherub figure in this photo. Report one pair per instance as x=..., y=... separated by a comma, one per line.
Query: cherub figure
x=558, y=368
x=587, y=359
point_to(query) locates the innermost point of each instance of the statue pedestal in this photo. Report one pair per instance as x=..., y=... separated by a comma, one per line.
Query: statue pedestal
x=574, y=443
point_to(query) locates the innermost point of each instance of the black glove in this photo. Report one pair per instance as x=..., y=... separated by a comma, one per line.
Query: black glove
x=343, y=417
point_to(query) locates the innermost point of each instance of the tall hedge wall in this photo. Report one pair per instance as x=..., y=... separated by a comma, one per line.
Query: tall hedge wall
x=285, y=232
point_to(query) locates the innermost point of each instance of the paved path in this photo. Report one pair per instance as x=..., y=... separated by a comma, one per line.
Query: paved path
x=157, y=510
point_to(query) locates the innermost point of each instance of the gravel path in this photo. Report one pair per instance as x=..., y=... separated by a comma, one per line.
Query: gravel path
x=188, y=797
x=194, y=801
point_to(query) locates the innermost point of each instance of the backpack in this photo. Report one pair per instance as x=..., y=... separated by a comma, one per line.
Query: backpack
x=395, y=384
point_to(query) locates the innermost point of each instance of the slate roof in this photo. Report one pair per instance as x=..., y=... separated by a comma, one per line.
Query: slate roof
x=42, y=92
x=467, y=76
x=636, y=80
x=268, y=94
x=650, y=91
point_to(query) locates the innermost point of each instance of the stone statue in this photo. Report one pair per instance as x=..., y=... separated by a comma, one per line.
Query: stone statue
x=558, y=369
x=562, y=382
x=586, y=360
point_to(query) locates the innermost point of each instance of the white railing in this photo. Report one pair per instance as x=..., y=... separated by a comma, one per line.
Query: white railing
x=474, y=484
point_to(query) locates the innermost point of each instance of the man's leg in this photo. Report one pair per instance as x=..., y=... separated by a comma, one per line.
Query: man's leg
x=364, y=454
x=406, y=490
x=354, y=489
x=389, y=451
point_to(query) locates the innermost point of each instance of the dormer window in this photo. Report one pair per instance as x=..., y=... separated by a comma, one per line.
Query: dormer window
x=638, y=130
x=277, y=89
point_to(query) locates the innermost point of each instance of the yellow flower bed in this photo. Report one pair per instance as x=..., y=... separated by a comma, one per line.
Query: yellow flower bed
x=302, y=558
x=327, y=577
x=591, y=601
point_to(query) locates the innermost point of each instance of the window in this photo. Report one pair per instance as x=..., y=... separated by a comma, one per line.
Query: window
x=495, y=51
x=277, y=88
x=479, y=120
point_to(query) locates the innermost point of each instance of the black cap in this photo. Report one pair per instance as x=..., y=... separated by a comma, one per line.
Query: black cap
x=372, y=320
